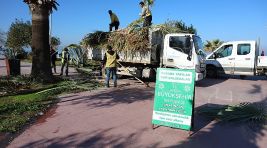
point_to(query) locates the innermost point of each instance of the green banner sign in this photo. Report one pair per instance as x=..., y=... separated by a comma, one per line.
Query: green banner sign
x=174, y=94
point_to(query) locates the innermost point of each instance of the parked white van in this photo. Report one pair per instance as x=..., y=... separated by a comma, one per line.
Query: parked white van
x=236, y=58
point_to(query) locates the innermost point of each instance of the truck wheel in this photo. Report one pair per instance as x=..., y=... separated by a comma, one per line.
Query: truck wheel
x=120, y=76
x=211, y=72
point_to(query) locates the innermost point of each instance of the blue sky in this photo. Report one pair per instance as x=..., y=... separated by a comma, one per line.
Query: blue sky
x=223, y=19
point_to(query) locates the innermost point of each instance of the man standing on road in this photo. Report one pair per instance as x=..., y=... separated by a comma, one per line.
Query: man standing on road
x=146, y=14
x=114, y=21
x=65, y=61
x=110, y=63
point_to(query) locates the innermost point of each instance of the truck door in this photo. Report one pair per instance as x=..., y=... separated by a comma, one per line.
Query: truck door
x=225, y=59
x=244, y=61
x=177, y=51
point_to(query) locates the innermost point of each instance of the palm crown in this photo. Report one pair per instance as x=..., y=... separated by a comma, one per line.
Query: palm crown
x=49, y=4
x=212, y=45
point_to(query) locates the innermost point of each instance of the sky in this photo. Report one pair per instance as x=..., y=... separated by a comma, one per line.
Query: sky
x=226, y=20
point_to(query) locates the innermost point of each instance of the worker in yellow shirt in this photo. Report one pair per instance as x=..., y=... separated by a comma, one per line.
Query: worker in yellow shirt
x=146, y=14
x=114, y=21
x=110, y=63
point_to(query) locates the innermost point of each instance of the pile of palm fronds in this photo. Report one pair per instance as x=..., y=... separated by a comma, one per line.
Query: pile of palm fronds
x=176, y=27
x=243, y=112
x=125, y=40
x=96, y=39
x=134, y=37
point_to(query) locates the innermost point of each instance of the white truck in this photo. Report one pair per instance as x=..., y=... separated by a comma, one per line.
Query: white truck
x=178, y=50
x=236, y=58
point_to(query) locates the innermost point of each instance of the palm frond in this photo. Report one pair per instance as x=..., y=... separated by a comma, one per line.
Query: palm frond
x=243, y=112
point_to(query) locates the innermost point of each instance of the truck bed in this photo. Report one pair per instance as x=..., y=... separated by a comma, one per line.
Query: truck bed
x=144, y=57
x=151, y=55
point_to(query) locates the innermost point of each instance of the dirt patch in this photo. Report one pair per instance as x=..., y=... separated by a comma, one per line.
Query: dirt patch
x=48, y=114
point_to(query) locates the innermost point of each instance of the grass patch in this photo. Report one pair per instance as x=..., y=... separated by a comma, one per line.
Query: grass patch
x=22, y=85
x=17, y=110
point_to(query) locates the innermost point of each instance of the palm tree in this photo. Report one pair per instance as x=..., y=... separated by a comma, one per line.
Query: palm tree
x=212, y=45
x=41, y=9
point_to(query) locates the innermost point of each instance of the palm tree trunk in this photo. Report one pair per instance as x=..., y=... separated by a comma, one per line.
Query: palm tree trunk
x=41, y=67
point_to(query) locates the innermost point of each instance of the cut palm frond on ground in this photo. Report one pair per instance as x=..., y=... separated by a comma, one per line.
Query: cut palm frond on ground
x=243, y=112
x=17, y=110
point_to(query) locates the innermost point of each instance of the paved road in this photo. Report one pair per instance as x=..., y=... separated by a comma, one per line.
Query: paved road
x=121, y=117
x=26, y=69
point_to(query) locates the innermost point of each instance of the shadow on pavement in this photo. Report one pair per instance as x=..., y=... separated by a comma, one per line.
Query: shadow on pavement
x=226, y=135
x=213, y=81
x=256, y=89
x=96, y=139
x=207, y=82
x=114, y=96
x=201, y=122
x=252, y=78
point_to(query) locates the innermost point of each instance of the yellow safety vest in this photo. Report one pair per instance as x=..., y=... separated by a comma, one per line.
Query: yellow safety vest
x=146, y=11
x=65, y=56
x=111, y=60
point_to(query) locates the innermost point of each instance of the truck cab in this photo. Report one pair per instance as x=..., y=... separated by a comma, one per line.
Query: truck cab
x=234, y=58
x=183, y=51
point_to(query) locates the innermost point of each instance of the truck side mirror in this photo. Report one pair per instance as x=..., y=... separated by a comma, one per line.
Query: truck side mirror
x=189, y=57
x=190, y=41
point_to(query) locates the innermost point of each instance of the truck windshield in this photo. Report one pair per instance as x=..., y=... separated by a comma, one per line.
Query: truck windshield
x=198, y=45
x=180, y=43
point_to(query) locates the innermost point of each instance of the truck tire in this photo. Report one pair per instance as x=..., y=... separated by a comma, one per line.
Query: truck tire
x=119, y=76
x=211, y=72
